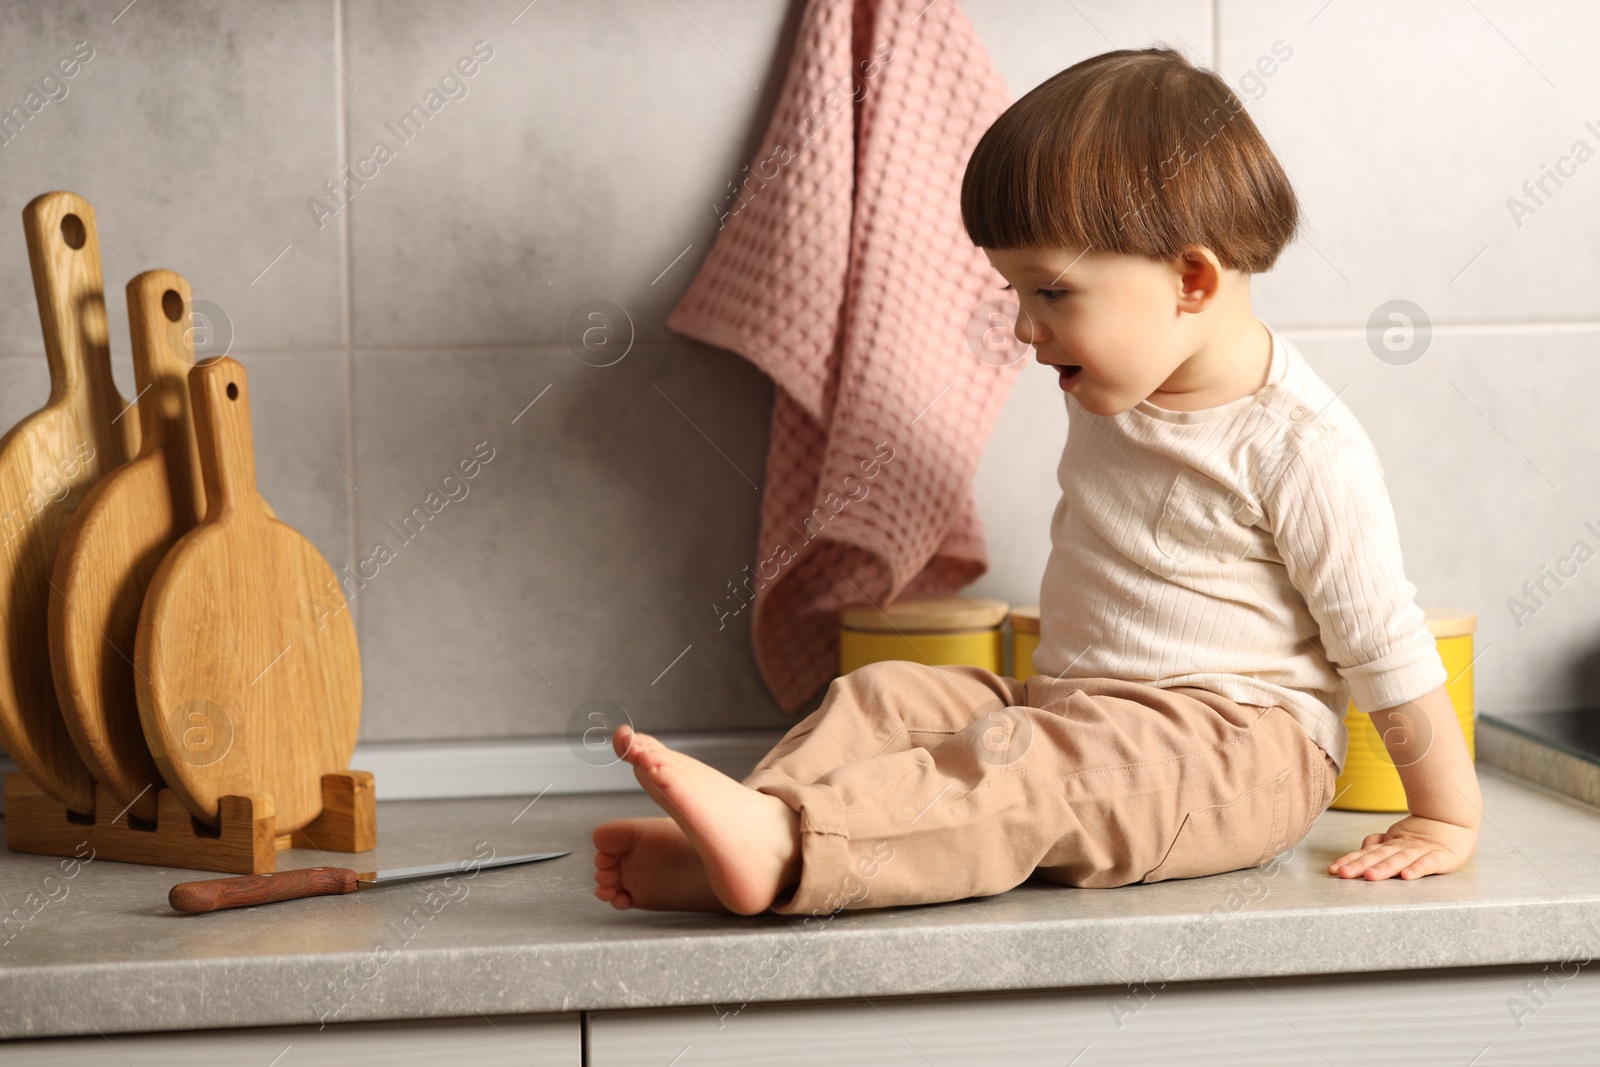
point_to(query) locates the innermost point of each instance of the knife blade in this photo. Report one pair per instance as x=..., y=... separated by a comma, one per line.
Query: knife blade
x=215, y=894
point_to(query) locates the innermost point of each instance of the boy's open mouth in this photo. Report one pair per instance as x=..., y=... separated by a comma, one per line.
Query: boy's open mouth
x=1068, y=373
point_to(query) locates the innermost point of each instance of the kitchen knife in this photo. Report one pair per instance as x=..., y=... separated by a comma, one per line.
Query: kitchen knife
x=214, y=894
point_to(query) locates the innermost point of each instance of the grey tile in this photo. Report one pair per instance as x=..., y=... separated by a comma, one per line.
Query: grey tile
x=197, y=131
x=299, y=410
x=1491, y=469
x=1406, y=130
x=1017, y=489
x=592, y=150
x=582, y=558
x=585, y=156
x=1030, y=42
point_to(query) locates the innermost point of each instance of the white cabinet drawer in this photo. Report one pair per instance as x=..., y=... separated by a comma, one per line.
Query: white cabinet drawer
x=1519, y=1016
x=506, y=1041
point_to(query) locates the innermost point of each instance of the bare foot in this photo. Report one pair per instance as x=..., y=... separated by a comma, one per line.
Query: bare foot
x=748, y=842
x=649, y=863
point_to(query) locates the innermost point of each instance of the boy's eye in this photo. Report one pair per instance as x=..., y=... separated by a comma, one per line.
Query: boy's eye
x=1050, y=295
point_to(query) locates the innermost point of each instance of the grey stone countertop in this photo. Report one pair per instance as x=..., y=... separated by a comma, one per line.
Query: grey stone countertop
x=106, y=954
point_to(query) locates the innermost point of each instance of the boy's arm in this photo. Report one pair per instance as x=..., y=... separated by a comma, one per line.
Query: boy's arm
x=1424, y=739
x=1330, y=514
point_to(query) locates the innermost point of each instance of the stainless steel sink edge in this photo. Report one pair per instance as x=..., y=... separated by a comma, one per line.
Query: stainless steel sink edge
x=1537, y=759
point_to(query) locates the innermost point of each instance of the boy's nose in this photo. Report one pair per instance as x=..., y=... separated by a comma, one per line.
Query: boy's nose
x=1030, y=332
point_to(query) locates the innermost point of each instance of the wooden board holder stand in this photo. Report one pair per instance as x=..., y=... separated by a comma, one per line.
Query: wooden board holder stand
x=245, y=842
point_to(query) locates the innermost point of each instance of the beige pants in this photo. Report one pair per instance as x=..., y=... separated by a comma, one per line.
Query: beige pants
x=918, y=784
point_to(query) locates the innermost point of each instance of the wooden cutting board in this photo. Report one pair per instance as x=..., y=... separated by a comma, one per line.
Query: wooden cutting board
x=48, y=461
x=246, y=667
x=114, y=543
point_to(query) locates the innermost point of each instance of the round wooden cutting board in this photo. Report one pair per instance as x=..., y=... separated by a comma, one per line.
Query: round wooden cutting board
x=116, y=540
x=48, y=462
x=246, y=668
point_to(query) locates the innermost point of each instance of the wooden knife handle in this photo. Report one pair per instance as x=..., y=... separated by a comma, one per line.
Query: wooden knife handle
x=214, y=894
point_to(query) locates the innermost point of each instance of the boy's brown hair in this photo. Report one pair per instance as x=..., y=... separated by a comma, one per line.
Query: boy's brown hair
x=1135, y=151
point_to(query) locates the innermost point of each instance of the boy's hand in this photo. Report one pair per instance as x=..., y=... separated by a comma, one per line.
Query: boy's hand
x=1413, y=847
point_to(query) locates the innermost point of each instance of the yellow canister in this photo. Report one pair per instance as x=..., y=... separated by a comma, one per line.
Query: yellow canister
x=1370, y=781
x=932, y=630
x=1024, y=640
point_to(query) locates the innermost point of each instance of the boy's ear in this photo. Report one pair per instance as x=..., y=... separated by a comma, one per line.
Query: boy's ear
x=1199, y=277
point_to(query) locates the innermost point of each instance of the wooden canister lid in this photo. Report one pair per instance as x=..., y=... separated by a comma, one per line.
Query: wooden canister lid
x=926, y=615
x=1450, y=622
x=1025, y=620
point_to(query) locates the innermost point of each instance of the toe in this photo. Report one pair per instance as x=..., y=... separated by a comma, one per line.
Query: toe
x=640, y=748
x=615, y=837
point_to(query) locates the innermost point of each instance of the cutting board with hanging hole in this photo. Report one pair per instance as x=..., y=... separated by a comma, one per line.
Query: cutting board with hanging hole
x=48, y=462
x=114, y=543
x=246, y=668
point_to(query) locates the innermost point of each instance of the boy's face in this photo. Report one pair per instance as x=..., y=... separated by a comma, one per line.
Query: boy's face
x=1114, y=316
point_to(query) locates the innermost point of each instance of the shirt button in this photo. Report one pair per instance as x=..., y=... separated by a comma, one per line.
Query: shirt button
x=1298, y=413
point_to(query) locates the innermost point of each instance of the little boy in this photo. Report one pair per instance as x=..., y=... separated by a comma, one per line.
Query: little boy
x=1225, y=575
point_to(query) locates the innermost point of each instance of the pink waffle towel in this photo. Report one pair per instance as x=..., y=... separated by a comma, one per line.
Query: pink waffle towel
x=842, y=270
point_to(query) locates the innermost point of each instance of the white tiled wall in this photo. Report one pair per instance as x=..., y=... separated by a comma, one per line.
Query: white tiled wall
x=583, y=159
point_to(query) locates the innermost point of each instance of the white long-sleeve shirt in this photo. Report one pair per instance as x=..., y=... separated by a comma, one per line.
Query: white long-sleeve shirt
x=1249, y=549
